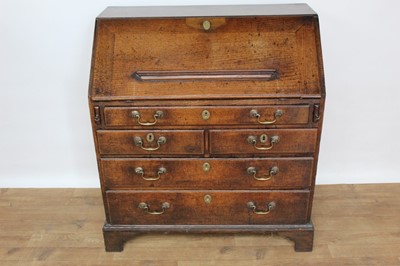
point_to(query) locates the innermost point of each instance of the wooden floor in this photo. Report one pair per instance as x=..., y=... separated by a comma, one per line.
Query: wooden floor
x=355, y=225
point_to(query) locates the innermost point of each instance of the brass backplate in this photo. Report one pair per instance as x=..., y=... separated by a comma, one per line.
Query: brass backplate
x=207, y=199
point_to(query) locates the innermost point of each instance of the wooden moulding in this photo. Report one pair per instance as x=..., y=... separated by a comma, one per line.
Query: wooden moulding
x=115, y=236
x=156, y=75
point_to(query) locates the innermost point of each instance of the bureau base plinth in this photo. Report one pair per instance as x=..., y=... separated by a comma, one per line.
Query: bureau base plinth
x=115, y=236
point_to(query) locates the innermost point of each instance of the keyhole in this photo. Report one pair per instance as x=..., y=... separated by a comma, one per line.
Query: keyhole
x=263, y=138
x=205, y=114
x=207, y=199
x=206, y=167
x=150, y=137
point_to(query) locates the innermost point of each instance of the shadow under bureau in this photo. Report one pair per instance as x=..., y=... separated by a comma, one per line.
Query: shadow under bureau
x=207, y=119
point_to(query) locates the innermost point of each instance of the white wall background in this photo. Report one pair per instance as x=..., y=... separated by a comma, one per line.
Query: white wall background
x=45, y=52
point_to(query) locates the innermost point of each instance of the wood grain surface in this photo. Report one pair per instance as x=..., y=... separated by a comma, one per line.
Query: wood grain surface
x=354, y=225
x=224, y=115
x=222, y=174
x=299, y=141
x=177, y=142
x=287, y=44
x=188, y=207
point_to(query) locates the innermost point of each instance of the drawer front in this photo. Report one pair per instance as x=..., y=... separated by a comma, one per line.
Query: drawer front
x=207, y=173
x=265, y=141
x=139, y=142
x=207, y=207
x=205, y=115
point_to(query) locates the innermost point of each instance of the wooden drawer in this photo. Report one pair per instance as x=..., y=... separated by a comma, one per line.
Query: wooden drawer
x=277, y=141
x=207, y=207
x=137, y=142
x=205, y=115
x=207, y=173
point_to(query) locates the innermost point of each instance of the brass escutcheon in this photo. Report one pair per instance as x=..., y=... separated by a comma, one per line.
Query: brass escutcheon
x=206, y=167
x=205, y=114
x=206, y=25
x=150, y=137
x=207, y=199
x=263, y=138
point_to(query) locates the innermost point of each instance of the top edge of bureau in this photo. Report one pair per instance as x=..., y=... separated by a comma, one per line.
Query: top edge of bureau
x=206, y=11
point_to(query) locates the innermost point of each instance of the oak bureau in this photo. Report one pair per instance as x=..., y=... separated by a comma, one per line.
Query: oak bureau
x=207, y=119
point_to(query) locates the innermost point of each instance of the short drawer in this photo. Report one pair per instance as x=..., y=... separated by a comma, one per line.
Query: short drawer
x=263, y=141
x=141, y=142
x=206, y=115
x=208, y=207
x=262, y=173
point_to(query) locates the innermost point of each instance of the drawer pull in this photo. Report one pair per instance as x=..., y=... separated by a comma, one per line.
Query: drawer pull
x=253, y=140
x=158, y=114
x=144, y=206
x=253, y=171
x=139, y=142
x=252, y=206
x=189, y=75
x=140, y=171
x=254, y=113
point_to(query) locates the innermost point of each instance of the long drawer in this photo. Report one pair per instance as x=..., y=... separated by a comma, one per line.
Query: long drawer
x=263, y=141
x=260, y=173
x=206, y=115
x=137, y=142
x=207, y=207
